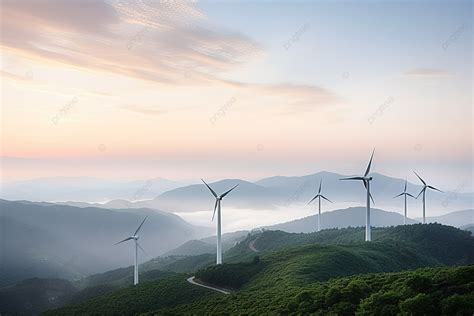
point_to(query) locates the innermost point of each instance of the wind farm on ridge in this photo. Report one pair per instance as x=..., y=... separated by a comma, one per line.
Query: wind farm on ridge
x=366, y=178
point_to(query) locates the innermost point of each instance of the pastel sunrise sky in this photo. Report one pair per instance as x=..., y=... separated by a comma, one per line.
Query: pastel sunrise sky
x=182, y=90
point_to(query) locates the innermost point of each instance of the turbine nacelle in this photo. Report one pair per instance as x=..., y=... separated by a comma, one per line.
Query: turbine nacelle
x=405, y=193
x=423, y=191
x=319, y=195
x=218, y=197
x=425, y=186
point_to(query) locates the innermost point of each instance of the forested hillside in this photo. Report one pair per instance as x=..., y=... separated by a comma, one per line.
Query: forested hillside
x=302, y=273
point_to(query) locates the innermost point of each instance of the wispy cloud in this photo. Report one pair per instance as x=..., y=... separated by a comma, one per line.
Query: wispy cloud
x=143, y=110
x=427, y=72
x=94, y=35
x=27, y=77
x=296, y=98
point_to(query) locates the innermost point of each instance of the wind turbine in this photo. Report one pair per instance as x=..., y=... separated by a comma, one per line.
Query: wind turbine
x=405, y=194
x=366, y=180
x=135, y=238
x=319, y=196
x=217, y=207
x=423, y=190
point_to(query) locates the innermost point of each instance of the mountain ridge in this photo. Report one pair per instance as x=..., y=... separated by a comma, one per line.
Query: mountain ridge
x=295, y=191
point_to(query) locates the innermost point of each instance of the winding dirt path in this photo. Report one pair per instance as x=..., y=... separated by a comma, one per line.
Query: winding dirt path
x=191, y=280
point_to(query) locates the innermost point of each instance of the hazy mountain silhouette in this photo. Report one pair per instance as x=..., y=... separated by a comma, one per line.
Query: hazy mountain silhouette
x=457, y=219
x=41, y=240
x=282, y=191
x=353, y=217
x=383, y=189
x=197, y=197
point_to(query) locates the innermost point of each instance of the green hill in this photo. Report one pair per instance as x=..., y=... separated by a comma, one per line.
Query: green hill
x=428, y=291
x=146, y=296
x=301, y=264
x=119, y=278
x=32, y=296
x=192, y=248
x=448, y=243
x=207, y=245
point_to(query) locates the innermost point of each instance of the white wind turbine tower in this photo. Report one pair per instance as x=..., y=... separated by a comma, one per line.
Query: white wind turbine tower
x=135, y=238
x=366, y=180
x=405, y=194
x=217, y=207
x=423, y=190
x=319, y=196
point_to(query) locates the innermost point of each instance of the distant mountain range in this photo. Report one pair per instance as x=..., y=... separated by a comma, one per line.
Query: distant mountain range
x=350, y=217
x=355, y=216
x=48, y=240
x=198, y=198
x=295, y=192
x=457, y=219
x=85, y=189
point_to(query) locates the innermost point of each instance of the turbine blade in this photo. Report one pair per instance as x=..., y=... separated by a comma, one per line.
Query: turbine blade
x=405, y=189
x=141, y=248
x=126, y=239
x=313, y=199
x=422, y=181
x=320, y=182
x=370, y=163
x=422, y=190
x=139, y=227
x=215, y=208
x=433, y=188
x=370, y=195
x=228, y=191
x=353, y=178
x=400, y=194
x=212, y=191
x=411, y=195
x=326, y=199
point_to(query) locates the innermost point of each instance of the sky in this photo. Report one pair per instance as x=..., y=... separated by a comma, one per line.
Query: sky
x=141, y=89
